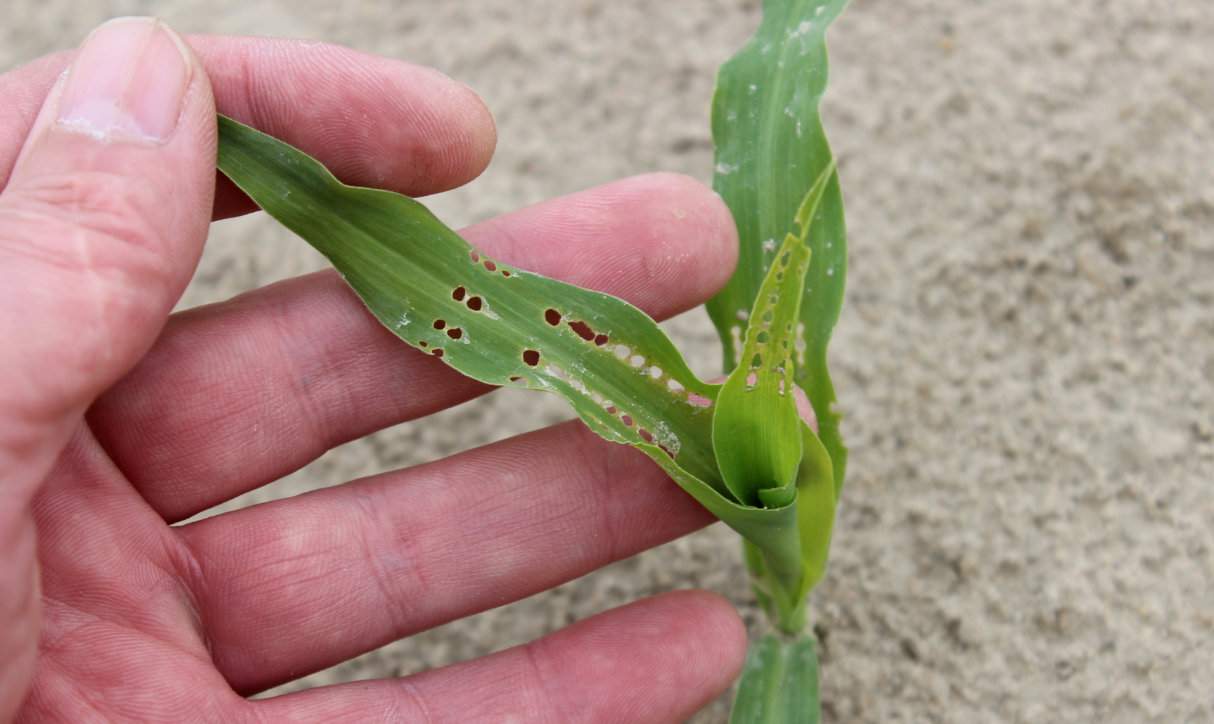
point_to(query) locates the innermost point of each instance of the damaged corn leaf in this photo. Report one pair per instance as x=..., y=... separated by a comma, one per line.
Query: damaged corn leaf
x=506, y=326
x=768, y=457
x=775, y=171
x=770, y=149
x=756, y=428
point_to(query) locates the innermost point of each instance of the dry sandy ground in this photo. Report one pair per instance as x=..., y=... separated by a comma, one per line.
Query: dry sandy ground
x=1026, y=357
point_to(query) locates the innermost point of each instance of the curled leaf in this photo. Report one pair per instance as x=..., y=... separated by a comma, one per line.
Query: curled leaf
x=770, y=150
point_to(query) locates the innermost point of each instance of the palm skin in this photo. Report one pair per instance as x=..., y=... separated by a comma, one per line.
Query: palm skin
x=119, y=421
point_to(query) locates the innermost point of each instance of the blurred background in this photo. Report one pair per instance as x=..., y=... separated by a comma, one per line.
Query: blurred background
x=1025, y=359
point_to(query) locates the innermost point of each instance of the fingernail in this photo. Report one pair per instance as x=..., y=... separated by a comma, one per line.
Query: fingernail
x=128, y=82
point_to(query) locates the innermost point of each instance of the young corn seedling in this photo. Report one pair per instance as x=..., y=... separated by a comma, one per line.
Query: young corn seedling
x=740, y=448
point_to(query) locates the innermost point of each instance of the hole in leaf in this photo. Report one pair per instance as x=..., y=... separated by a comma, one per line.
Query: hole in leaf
x=627, y=420
x=645, y=435
x=698, y=400
x=752, y=379
x=423, y=343
x=666, y=450
x=762, y=337
x=600, y=340
x=516, y=378
x=474, y=257
x=458, y=294
x=505, y=272
x=437, y=353
x=582, y=329
x=610, y=408
x=475, y=303
x=531, y=357
x=780, y=385
x=553, y=317
x=455, y=333
x=490, y=265
x=757, y=361
x=439, y=323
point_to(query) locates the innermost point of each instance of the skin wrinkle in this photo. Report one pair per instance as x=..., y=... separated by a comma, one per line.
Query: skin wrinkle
x=85, y=461
x=413, y=694
x=607, y=472
x=309, y=409
x=396, y=598
x=531, y=654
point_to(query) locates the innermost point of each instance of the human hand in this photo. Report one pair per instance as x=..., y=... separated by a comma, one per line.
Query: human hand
x=117, y=420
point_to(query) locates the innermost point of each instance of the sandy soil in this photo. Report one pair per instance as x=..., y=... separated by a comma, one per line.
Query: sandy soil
x=1026, y=357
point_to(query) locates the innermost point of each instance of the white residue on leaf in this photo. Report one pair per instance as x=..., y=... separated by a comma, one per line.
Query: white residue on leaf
x=666, y=438
x=731, y=116
x=821, y=9
x=743, y=315
x=769, y=245
x=798, y=128
x=404, y=321
x=802, y=29
x=753, y=88
x=726, y=168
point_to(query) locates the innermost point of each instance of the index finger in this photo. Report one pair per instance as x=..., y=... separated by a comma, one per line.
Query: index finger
x=373, y=121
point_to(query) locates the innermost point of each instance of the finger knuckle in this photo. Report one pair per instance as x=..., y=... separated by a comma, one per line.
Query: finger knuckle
x=113, y=213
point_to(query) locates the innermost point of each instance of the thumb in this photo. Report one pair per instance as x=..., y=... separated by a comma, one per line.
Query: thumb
x=101, y=226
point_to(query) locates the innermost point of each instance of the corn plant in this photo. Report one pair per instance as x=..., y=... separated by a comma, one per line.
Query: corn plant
x=740, y=448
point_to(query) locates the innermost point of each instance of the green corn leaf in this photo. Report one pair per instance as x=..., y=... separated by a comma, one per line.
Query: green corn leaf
x=779, y=683
x=506, y=326
x=770, y=149
x=782, y=594
x=756, y=428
